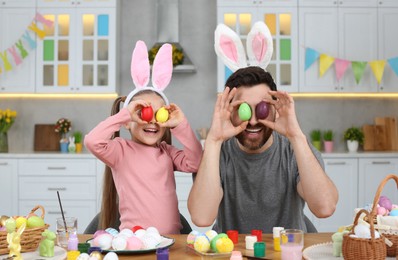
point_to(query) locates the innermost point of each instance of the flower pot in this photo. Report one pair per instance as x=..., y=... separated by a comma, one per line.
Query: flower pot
x=352, y=146
x=79, y=147
x=317, y=145
x=64, y=147
x=3, y=142
x=328, y=146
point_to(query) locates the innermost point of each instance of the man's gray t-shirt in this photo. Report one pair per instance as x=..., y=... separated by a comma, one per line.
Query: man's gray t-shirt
x=260, y=190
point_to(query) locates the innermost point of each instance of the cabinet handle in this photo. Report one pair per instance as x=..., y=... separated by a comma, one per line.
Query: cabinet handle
x=52, y=189
x=335, y=2
x=4, y=164
x=55, y=212
x=336, y=163
x=381, y=2
x=56, y=168
x=385, y=162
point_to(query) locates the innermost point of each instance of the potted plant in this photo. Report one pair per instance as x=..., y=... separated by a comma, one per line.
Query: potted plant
x=328, y=136
x=354, y=137
x=315, y=136
x=78, y=141
x=63, y=126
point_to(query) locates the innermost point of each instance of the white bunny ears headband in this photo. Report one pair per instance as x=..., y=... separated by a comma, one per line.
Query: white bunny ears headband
x=229, y=47
x=162, y=70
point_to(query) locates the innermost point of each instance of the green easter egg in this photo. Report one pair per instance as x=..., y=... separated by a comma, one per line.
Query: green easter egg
x=214, y=240
x=244, y=112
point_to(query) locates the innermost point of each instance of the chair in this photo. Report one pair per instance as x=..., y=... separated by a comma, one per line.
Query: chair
x=310, y=226
x=93, y=226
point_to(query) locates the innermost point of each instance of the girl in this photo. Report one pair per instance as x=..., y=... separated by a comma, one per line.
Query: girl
x=139, y=181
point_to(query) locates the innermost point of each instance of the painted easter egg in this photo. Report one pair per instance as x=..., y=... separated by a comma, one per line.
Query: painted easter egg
x=162, y=115
x=224, y=245
x=244, y=112
x=214, y=241
x=262, y=110
x=147, y=113
x=201, y=244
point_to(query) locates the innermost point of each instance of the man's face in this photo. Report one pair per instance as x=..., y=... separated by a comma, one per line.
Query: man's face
x=256, y=134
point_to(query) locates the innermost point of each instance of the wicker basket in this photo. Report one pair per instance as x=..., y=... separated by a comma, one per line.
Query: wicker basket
x=391, y=250
x=30, y=238
x=362, y=248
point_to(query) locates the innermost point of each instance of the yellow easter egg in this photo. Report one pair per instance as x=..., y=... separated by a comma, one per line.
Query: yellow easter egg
x=162, y=115
x=224, y=245
x=202, y=244
x=20, y=221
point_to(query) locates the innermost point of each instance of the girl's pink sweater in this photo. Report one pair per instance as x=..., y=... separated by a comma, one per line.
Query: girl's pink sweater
x=144, y=175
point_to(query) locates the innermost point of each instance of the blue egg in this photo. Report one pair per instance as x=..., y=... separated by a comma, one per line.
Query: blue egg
x=394, y=212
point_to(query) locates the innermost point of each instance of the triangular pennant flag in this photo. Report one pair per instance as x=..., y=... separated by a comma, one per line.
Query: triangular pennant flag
x=359, y=68
x=340, y=66
x=325, y=61
x=377, y=67
x=394, y=64
x=311, y=56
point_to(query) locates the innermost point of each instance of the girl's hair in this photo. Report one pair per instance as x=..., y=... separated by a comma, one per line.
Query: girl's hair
x=110, y=199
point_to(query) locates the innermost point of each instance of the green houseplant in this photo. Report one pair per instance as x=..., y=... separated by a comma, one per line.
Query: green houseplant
x=354, y=137
x=328, y=136
x=78, y=141
x=315, y=136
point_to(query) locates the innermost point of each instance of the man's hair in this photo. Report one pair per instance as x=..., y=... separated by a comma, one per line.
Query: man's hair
x=250, y=76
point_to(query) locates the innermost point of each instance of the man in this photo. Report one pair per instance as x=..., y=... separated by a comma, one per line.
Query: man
x=258, y=174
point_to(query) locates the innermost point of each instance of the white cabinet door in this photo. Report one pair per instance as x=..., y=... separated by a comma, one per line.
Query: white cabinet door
x=371, y=172
x=357, y=42
x=341, y=3
x=8, y=187
x=388, y=42
x=75, y=3
x=319, y=31
x=14, y=24
x=344, y=173
x=388, y=3
x=18, y=3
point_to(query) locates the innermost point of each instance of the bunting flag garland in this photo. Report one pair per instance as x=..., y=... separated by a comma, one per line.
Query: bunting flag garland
x=311, y=56
x=341, y=65
x=377, y=67
x=325, y=61
x=14, y=55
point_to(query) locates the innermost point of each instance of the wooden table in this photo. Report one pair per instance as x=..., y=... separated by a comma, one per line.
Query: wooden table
x=180, y=251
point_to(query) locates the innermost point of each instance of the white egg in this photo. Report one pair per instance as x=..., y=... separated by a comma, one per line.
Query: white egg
x=362, y=231
x=83, y=256
x=152, y=230
x=127, y=232
x=149, y=241
x=119, y=243
x=140, y=233
x=104, y=241
x=111, y=256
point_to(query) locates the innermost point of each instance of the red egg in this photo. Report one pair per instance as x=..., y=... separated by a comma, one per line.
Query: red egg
x=147, y=113
x=135, y=228
x=262, y=110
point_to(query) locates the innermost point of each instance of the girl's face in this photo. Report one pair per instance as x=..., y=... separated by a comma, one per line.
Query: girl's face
x=150, y=133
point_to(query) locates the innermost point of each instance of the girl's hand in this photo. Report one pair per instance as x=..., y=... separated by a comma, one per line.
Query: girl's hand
x=286, y=121
x=176, y=116
x=221, y=127
x=134, y=107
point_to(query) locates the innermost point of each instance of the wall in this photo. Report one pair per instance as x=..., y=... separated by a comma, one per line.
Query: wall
x=194, y=93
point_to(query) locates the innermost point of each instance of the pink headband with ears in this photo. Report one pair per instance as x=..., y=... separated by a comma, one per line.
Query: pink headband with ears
x=140, y=70
x=229, y=47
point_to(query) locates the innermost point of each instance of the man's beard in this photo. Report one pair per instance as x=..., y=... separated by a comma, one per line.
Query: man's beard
x=253, y=145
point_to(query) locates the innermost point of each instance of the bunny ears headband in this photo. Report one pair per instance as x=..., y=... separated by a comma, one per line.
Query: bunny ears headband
x=229, y=47
x=162, y=70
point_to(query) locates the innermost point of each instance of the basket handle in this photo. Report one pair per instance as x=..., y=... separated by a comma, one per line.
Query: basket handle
x=380, y=189
x=370, y=216
x=43, y=212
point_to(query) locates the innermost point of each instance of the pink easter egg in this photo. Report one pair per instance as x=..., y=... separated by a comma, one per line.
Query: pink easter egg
x=99, y=232
x=134, y=243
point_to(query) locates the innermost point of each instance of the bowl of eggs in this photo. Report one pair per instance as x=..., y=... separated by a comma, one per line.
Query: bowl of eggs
x=130, y=241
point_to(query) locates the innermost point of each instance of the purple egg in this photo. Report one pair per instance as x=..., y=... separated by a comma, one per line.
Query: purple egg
x=385, y=202
x=262, y=110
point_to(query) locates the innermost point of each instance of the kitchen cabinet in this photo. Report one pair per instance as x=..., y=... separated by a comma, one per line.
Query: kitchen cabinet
x=72, y=3
x=75, y=179
x=280, y=17
x=78, y=54
x=388, y=42
x=387, y=3
x=9, y=187
x=17, y=3
x=344, y=173
x=15, y=18
x=340, y=33
x=371, y=172
x=342, y=3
